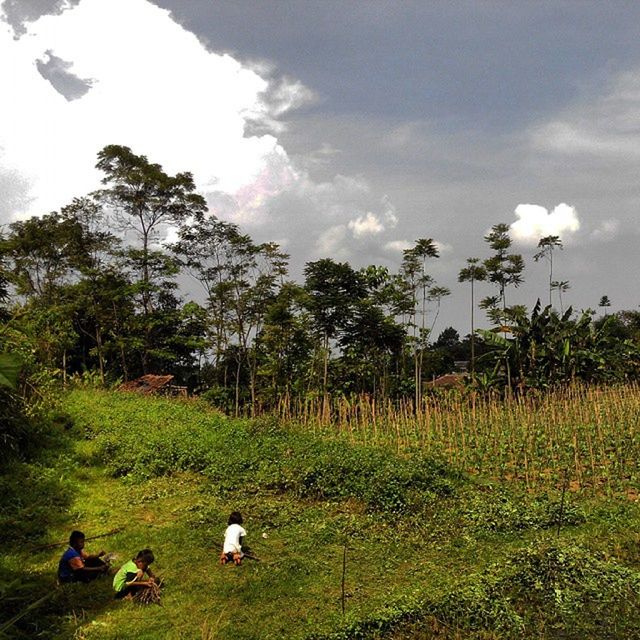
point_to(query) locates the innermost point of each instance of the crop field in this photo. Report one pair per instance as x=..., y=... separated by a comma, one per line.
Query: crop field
x=493, y=519
x=587, y=434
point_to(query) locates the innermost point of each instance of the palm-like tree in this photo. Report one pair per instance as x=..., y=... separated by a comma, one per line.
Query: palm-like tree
x=415, y=271
x=435, y=295
x=503, y=269
x=605, y=303
x=546, y=246
x=561, y=286
x=473, y=272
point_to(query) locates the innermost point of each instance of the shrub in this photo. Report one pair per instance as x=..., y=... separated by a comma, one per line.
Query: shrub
x=151, y=437
x=544, y=591
x=501, y=512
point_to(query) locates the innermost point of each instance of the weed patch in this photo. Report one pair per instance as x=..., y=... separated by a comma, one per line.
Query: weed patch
x=500, y=511
x=162, y=437
x=542, y=591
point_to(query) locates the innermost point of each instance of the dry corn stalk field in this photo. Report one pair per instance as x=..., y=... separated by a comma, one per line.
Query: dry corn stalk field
x=588, y=434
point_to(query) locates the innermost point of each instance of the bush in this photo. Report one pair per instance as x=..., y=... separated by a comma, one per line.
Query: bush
x=146, y=437
x=545, y=591
x=501, y=512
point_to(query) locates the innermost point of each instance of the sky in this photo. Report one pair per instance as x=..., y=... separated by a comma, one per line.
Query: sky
x=349, y=129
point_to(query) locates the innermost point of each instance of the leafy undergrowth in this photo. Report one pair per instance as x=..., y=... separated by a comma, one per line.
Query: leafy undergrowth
x=542, y=591
x=429, y=553
x=154, y=439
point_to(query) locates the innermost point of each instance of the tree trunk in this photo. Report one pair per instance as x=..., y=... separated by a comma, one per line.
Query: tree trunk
x=99, y=350
x=238, y=368
x=473, y=337
x=123, y=359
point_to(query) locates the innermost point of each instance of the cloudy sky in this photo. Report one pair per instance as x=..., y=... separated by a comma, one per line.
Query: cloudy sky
x=348, y=128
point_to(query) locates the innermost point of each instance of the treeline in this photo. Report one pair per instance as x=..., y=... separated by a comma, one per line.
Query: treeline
x=93, y=290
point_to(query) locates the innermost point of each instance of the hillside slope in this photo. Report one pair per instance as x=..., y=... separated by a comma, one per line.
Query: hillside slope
x=427, y=552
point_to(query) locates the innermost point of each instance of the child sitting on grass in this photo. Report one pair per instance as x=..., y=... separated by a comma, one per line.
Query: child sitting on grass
x=233, y=539
x=76, y=565
x=135, y=575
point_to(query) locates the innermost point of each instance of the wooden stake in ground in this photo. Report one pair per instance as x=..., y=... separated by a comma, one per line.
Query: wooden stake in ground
x=564, y=491
x=344, y=573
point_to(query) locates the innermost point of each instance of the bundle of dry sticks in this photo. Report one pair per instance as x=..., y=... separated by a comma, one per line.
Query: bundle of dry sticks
x=149, y=595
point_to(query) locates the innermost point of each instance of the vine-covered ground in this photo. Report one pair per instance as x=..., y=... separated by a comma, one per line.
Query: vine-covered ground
x=428, y=551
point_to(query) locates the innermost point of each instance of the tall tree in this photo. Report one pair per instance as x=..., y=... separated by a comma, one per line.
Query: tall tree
x=547, y=244
x=207, y=250
x=503, y=269
x=418, y=281
x=146, y=200
x=240, y=279
x=284, y=345
x=604, y=303
x=436, y=294
x=333, y=290
x=40, y=254
x=561, y=286
x=4, y=285
x=42, y=257
x=370, y=342
x=93, y=256
x=472, y=273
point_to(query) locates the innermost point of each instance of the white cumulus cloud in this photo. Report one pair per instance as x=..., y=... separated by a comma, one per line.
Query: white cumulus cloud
x=155, y=88
x=366, y=225
x=397, y=246
x=124, y=72
x=535, y=222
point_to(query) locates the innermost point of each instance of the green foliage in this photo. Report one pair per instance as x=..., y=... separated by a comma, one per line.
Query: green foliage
x=543, y=591
x=501, y=511
x=568, y=590
x=502, y=269
x=385, y=482
x=26, y=403
x=548, y=349
x=333, y=288
x=14, y=424
x=145, y=438
x=10, y=366
x=34, y=496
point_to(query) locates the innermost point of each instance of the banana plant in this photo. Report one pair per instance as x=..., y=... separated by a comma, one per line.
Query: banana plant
x=548, y=349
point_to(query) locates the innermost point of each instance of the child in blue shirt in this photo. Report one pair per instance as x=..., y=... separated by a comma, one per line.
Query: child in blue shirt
x=76, y=565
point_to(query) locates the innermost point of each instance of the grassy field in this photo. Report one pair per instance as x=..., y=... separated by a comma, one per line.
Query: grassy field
x=431, y=550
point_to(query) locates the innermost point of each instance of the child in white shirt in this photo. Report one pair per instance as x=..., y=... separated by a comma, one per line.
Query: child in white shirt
x=233, y=538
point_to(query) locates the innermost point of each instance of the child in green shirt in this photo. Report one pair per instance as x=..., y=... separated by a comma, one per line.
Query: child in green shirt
x=135, y=575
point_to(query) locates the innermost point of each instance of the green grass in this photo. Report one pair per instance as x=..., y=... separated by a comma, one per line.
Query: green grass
x=427, y=548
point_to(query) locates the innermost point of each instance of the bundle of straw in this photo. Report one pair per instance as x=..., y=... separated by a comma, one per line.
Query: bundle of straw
x=149, y=595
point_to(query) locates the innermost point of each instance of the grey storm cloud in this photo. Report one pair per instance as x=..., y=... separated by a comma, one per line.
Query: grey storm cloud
x=56, y=71
x=398, y=121
x=19, y=12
